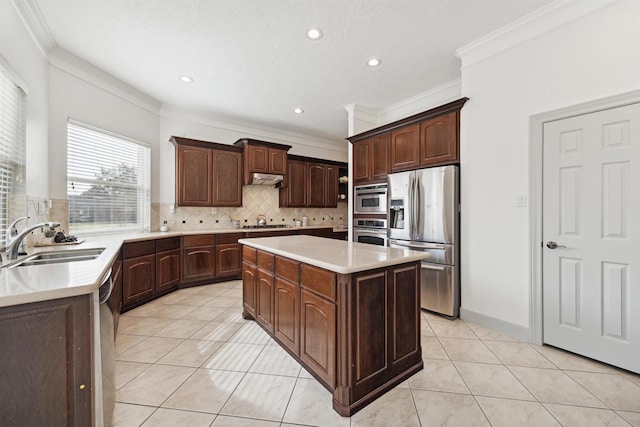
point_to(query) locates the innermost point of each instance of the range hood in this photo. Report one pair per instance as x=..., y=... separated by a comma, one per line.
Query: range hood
x=266, y=179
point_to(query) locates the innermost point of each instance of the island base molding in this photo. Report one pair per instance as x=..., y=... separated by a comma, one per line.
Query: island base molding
x=358, y=334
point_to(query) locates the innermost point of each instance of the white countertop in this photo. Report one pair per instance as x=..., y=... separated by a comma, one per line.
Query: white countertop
x=335, y=255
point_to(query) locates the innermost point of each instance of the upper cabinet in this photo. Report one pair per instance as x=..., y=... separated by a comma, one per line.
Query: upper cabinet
x=262, y=157
x=311, y=183
x=427, y=139
x=207, y=173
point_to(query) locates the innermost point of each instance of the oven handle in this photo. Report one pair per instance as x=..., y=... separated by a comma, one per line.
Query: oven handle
x=106, y=281
x=417, y=245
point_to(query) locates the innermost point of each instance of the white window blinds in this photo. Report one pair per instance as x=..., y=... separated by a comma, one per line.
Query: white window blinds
x=107, y=181
x=12, y=143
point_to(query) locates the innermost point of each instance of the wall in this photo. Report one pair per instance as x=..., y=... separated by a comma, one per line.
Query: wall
x=592, y=57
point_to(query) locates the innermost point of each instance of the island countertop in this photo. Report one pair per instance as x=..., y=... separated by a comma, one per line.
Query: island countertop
x=335, y=255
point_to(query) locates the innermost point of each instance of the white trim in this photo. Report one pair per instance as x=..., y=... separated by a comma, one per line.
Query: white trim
x=540, y=21
x=431, y=98
x=507, y=328
x=14, y=74
x=536, y=125
x=35, y=24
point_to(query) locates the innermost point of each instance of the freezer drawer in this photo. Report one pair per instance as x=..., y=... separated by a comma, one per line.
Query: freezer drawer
x=439, y=289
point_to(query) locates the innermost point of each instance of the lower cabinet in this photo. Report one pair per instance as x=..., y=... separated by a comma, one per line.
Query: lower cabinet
x=264, y=300
x=198, y=258
x=249, y=280
x=167, y=270
x=228, y=255
x=139, y=278
x=287, y=314
x=318, y=335
x=46, y=363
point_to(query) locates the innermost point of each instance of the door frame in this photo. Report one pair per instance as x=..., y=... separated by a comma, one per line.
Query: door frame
x=536, y=135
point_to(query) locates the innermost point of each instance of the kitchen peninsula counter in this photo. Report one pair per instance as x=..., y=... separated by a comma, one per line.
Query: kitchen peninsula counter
x=348, y=312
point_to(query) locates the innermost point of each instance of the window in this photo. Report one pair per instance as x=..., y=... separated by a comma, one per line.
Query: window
x=107, y=181
x=12, y=143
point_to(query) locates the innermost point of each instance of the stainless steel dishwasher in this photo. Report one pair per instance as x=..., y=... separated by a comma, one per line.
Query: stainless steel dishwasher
x=107, y=350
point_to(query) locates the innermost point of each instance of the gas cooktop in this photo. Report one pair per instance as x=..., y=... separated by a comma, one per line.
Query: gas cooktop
x=267, y=226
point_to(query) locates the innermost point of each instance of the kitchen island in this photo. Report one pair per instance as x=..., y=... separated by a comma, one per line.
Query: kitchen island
x=348, y=312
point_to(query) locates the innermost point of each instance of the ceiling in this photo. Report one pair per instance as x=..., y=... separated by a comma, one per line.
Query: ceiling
x=252, y=62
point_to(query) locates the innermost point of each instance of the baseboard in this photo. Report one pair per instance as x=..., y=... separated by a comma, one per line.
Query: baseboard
x=516, y=331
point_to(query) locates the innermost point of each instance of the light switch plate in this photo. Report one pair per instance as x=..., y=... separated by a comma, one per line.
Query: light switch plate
x=521, y=200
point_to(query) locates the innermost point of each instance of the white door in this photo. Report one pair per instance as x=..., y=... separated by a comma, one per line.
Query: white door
x=591, y=210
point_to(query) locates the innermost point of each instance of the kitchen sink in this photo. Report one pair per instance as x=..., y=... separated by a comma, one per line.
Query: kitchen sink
x=46, y=258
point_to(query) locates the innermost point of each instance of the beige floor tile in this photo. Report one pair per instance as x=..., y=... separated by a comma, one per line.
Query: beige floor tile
x=432, y=349
x=446, y=410
x=509, y=413
x=224, y=301
x=225, y=421
x=124, y=341
x=518, y=354
x=232, y=293
x=216, y=331
x=211, y=291
x=614, y=390
x=132, y=325
x=234, y=357
x=466, y=350
x=204, y=313
x=425, y=329
x=182, y=328
x=578, y=416
x=145, y=310
x=635, y=378
x=394, y=408
x=632, y=417
x=260, y=396
x=427, y=315
x=438, y=375
x=150, y=350
x=250, y=333
x=191, y=353
x=127, y=415
x=573, y=362
x=193, y=290
x=489, y=334
x=554, y=386
x=311, y=404
x=196, y=300
x=492, y=381
x=275, y=361
x=172, y=298
x=126, y=371
x=232, y=315
x=154, y=385
x=452, y=329
x=173, y=311
x=173, y=418
x=304, y=374
x=206, y=390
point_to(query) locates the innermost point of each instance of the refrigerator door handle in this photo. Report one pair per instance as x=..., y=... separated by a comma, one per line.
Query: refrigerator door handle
x=410, y=207
x=415, y=207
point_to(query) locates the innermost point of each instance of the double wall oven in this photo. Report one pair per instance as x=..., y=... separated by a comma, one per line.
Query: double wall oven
x=372, y=231
x=370, y=213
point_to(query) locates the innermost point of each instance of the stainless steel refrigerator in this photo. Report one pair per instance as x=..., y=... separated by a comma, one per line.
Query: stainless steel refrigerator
x=424, y=216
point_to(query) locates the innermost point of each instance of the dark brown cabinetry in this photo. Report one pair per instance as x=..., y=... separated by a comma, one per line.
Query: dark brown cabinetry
x=263, y=157
x=426, y=139
x=287, y=303
x=228, y=255
x=198, y=258
x=168, y=270
x=249, y=282
x=311, y=182
x=46, y=363
x=317, y=188
x=294, y=194
x=265, y=286
x=207, y=173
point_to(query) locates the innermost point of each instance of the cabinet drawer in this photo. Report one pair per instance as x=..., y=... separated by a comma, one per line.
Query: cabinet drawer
x=136, y=249
x=287, y=269
x=224, y=239
x=167, y=244
x=318, y=280
x=199, y=240
x=266, y=260
x=249, y=254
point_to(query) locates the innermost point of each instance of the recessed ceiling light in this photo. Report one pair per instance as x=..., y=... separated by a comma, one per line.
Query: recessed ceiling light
x=314, y=33
x=374, y=62
x=186, y=79
x=298, y=110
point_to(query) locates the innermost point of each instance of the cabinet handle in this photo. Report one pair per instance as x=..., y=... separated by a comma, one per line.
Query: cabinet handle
x=82, y=386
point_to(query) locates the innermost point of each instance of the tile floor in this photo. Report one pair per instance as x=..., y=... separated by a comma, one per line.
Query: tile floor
x=189, y=359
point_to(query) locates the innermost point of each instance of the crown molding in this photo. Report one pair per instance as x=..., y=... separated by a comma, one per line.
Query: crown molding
x=431, y=98
x=35, y=23
x=538, y=22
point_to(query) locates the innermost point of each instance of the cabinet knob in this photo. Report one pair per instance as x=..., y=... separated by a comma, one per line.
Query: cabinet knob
x=82, y=386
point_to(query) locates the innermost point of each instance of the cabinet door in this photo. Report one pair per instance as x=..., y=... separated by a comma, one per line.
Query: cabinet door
x=264, y=300
x=227, y=178
x=318, y=335
x=405, y=148
x=361, y=161
x=380, y=156
x=277, y=161
x=228, y=259
x=316, y=194
x=139, y=279
x=404, y=313
x=46, y=363
x=257, y=158
x=296, y=191
x=198, y=263
x=439, y=140
x=287, y=314
x=331, y=193
x=167, y=270
x=249, y=289
x=193, y=180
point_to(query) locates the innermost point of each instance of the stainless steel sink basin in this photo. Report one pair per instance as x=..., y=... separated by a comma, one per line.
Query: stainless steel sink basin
x=46, y=258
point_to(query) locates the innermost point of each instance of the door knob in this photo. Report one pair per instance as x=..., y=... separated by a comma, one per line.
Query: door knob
x=553, y=245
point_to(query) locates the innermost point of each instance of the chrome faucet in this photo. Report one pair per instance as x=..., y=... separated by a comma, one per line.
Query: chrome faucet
x=14, y=239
